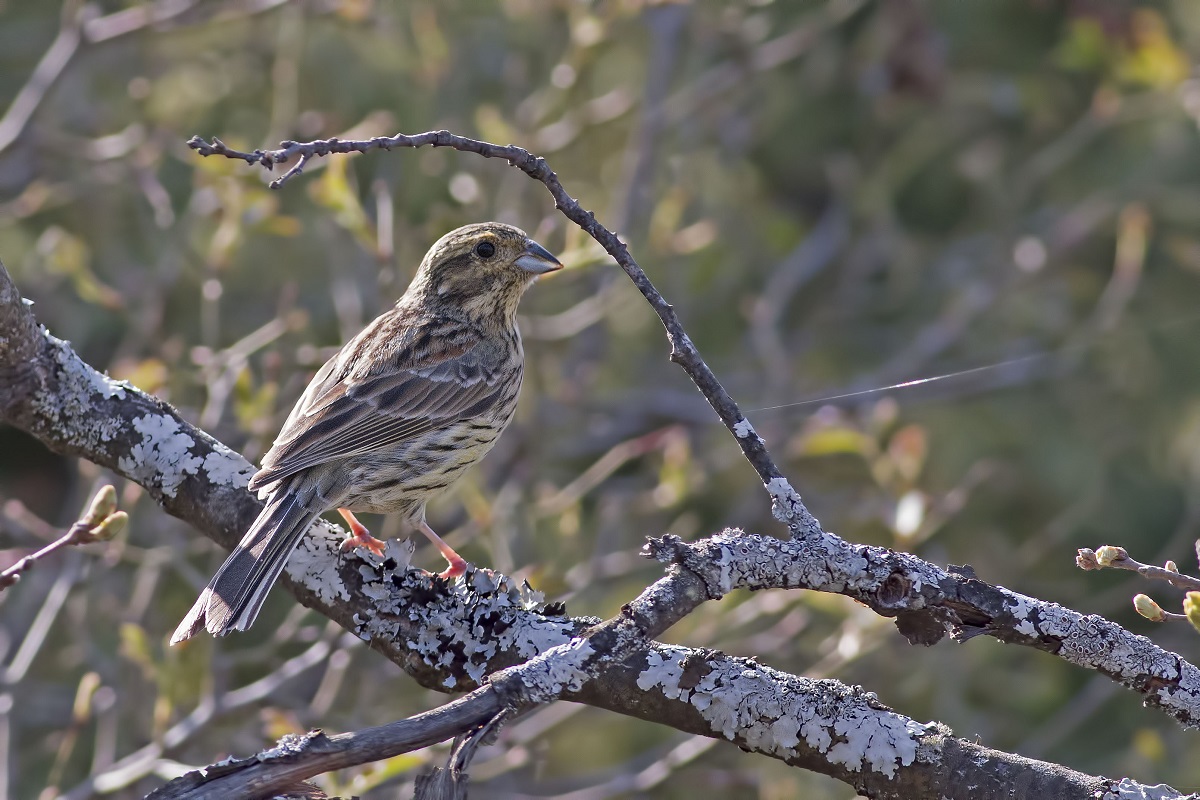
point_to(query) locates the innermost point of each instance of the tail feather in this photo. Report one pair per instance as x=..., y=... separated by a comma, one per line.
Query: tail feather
x=233, y=598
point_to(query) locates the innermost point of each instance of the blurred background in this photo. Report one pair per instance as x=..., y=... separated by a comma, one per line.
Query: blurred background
x=836, y=196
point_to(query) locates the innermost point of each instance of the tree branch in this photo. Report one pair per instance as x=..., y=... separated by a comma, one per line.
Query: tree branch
x=531, y=653
x=926, y=600
x=824, y=726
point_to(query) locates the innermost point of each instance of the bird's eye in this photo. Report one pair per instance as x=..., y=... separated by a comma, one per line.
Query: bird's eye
x=485, y=249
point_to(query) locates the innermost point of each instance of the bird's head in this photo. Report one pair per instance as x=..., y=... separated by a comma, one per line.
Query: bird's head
x=481, y=271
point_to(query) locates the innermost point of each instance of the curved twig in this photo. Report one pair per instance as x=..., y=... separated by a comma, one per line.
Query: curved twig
x=789, y=507
x=616, y=664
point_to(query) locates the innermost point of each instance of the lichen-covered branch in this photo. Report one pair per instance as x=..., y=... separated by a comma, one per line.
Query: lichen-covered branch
x=825, y=725
x=929, y=602
x=530, y=653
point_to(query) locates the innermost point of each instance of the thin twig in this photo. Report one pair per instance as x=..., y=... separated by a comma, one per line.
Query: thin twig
x=1119, y=558
x=99, y=523
x=143, y=761
x=89, y=28
x=297, y=758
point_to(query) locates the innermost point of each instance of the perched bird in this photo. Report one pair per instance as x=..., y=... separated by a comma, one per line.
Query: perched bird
x=393, y=419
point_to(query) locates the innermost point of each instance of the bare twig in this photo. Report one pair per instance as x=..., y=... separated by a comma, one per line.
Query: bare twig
x=99, y=523
x=88, y=27
x=144, y=761
x=297, y=758
x=1119, y=558
x=615, y=664
x=789, y=507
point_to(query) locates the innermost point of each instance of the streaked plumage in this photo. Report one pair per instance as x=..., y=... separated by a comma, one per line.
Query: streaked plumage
x=394, y=417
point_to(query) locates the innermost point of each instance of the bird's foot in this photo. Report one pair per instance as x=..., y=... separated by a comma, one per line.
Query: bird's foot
x=368, y=541
x=457, y=566
x=359, y=535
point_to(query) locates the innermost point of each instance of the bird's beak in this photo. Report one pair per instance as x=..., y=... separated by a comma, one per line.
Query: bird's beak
x=537, y=259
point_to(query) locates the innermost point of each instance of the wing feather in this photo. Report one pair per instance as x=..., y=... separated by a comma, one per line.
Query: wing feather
x=342, y=414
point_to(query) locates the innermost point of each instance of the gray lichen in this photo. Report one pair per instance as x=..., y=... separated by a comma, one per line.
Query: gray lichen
x=773, y=713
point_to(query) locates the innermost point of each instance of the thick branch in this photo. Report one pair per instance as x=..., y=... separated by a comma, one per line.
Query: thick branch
x=929, y=602
x=822, y=725
x=49, y=391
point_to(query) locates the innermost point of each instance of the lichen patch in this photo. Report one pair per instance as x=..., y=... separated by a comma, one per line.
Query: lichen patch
x=163, y=455
x=772, y=712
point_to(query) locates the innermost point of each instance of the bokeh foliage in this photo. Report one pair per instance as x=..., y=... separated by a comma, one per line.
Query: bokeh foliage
x=837, y=196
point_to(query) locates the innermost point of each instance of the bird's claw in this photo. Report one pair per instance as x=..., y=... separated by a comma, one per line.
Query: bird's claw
x=363, y=539
x=456, y=567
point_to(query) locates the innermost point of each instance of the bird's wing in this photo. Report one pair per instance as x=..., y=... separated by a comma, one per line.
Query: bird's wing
x=343, y=415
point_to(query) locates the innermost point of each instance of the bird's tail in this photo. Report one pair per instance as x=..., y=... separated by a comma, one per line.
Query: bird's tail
x=233, y=598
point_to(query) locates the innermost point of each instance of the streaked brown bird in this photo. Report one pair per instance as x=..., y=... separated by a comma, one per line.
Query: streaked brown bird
x=393, y=419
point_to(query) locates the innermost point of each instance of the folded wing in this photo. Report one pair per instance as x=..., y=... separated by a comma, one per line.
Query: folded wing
x=341, y=416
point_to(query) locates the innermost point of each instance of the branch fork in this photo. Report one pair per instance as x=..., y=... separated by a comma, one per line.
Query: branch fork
x=533, y=653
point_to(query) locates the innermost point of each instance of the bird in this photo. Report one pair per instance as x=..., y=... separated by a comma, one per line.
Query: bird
x=393, y=418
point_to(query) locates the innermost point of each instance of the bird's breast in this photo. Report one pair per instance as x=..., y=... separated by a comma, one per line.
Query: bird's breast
x=403, y=479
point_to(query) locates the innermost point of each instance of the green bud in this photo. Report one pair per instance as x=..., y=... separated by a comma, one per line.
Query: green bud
x=103, y=504
x=113, y=524
x=1150, y=609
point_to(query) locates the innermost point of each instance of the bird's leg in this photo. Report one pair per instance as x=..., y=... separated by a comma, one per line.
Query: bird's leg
x=359, y=535
x=458, y=564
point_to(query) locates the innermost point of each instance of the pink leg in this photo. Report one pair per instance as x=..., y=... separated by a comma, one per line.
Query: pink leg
x=458, y=565
x=359, y=535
